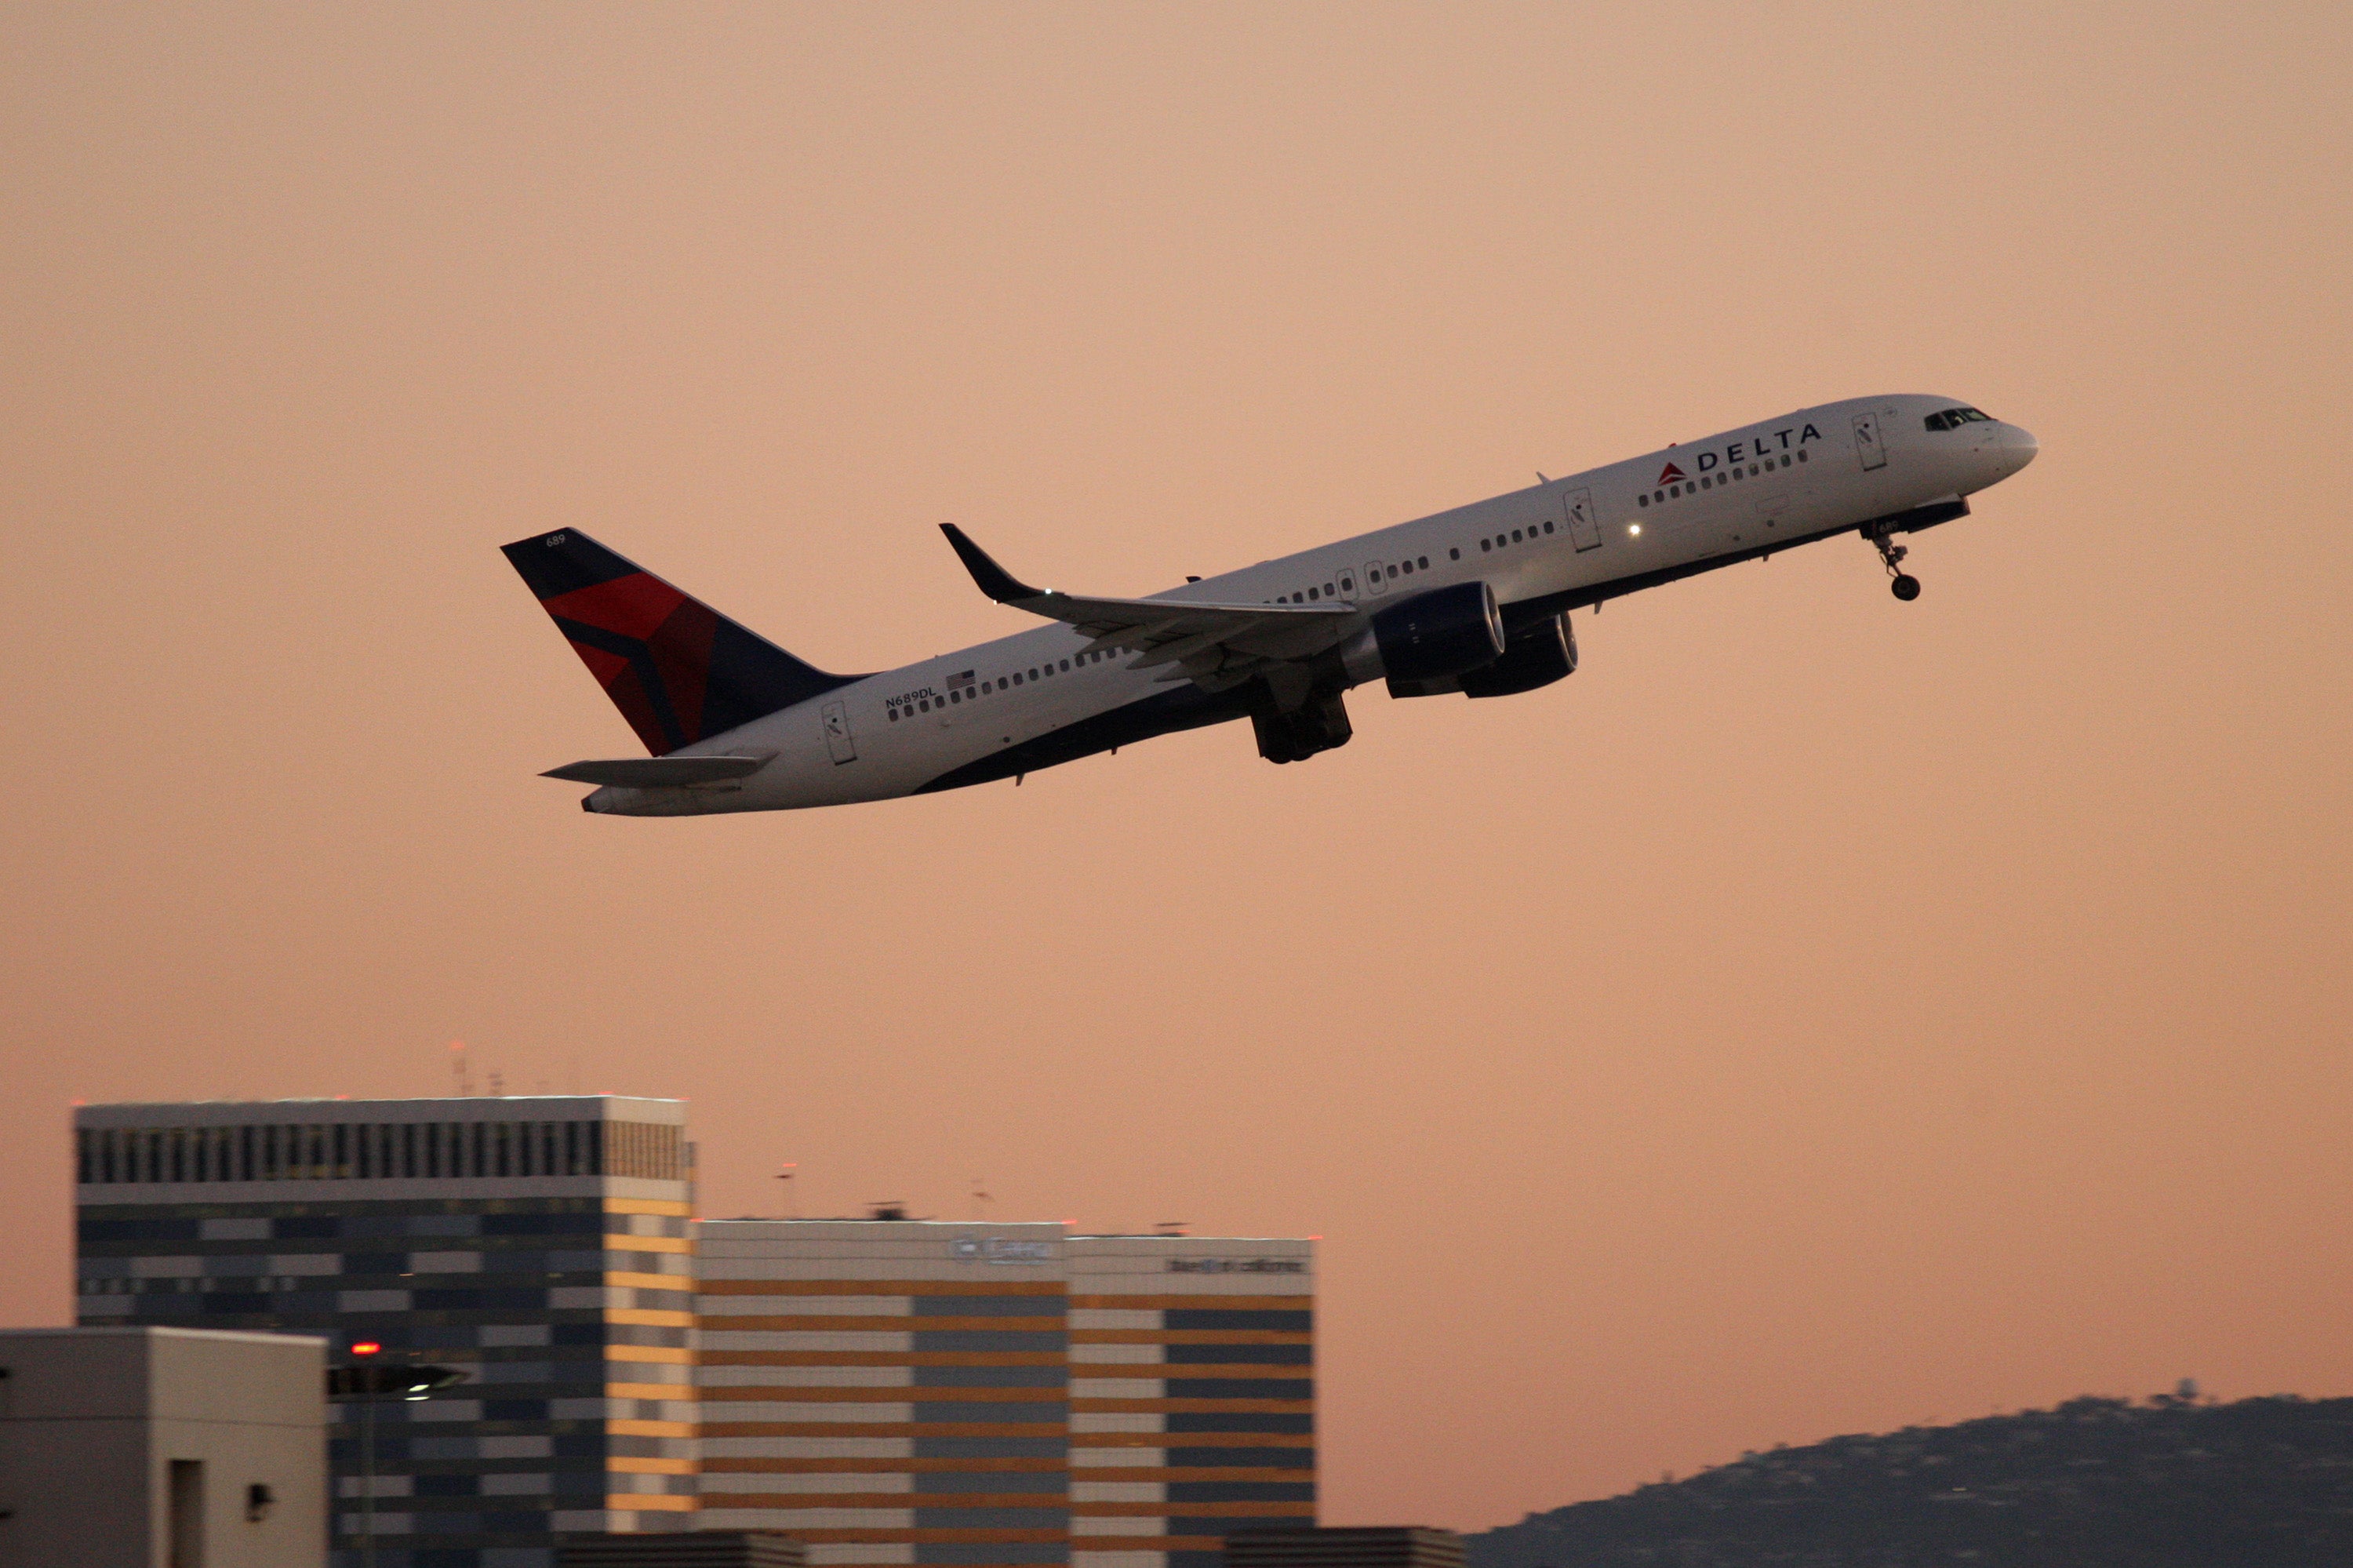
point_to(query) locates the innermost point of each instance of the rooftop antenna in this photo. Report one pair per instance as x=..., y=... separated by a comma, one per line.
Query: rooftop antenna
x=458, y=1069
x=792, y=1204
x=888, y=1209
x=980, y=1198
x=498, y=1084
x=1169, y=1228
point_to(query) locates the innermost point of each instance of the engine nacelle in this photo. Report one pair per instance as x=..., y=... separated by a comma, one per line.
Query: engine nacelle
x=1538, y=655
x=1431, y=637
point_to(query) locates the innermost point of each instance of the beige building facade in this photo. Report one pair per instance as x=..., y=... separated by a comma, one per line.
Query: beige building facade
x=161, y=1448
x=986, y=1396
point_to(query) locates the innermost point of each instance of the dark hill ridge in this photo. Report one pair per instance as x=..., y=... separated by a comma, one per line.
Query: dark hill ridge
x=2096, y=1483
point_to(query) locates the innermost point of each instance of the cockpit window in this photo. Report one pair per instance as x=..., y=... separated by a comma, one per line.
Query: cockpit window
x=1954, y=419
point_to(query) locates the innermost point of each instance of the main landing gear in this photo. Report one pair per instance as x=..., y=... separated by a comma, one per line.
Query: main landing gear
x=1902, y=584
x=1321, y=723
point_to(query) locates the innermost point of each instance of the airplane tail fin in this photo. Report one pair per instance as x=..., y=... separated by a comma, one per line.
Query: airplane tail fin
x=678, y=671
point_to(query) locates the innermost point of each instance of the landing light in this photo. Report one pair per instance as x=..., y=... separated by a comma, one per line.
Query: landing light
x=1634, y=528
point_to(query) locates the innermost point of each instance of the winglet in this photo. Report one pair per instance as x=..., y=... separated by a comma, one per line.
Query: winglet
x=995, y=580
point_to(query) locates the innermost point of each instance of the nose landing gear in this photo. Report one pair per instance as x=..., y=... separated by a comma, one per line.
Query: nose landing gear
x=1902, y=584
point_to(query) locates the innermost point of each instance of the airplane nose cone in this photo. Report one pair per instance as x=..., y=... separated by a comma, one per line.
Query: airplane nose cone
x=2017, y=448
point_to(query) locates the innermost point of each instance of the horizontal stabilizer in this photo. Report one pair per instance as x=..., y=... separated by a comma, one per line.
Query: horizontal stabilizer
x=657, y=772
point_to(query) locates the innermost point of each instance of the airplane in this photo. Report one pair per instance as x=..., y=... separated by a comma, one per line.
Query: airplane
x=1473, y=602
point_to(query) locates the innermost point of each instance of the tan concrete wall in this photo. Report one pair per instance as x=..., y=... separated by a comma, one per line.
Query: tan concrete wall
x=92, y=1419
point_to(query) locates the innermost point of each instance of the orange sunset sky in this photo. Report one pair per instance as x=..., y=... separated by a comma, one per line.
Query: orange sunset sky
x=1818, y=1014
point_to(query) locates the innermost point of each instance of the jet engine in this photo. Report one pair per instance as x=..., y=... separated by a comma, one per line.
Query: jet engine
x=1431, y=637
x=1537, y=656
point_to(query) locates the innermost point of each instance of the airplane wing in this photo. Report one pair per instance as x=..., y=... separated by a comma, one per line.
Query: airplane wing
x=657, y=772
x=1213, y=645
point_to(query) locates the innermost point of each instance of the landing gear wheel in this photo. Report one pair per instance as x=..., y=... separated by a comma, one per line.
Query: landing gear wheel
x=1904, y=586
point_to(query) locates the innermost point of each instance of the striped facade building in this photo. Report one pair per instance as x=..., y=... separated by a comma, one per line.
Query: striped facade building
x=1002, y=1395
x=541, y=1246
x=1192, y=1396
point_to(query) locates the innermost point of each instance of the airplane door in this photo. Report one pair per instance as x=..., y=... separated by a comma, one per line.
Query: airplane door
x=1376, y=576
x=1867, y=444
x=1584, y=528
x=837, y=738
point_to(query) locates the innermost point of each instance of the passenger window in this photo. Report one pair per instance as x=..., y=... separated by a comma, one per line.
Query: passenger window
x=1802, y=454
x=1347, y=585
x=1327, y=590
x=1547, y=527
x=1641, y=501
x=1454, y=555
x=955, y=697
x=1311, y=593
x=1423, y=561
x=894, y=715
x=1066, y=663
x=1487, y=544
x=1516, y=535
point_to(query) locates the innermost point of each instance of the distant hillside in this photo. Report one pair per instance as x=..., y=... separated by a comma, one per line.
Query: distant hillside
x=2096, y=1483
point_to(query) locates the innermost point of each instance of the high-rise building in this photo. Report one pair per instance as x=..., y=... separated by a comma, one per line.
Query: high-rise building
x=889, y=1390
x=1003, y=1395
x=540, y=1245
x=1192, y=1396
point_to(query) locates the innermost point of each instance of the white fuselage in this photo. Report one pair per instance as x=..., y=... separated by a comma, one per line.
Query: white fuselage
x=1764, y=486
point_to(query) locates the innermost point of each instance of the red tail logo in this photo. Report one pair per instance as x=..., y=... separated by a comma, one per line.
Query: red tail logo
x=678, y=671
x=1671, y=474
